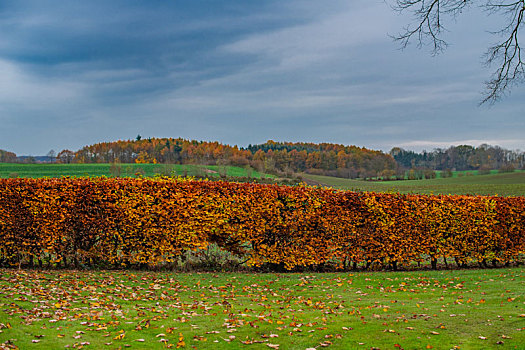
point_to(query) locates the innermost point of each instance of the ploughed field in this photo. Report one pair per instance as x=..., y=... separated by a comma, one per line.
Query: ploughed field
x=453, y=309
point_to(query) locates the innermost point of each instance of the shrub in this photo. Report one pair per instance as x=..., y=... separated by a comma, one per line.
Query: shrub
x=157, y=222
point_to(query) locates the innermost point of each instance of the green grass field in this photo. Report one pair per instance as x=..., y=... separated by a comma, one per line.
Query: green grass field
x=91, y=170
x=460, y=173
x=458, y=309
x=507, y=184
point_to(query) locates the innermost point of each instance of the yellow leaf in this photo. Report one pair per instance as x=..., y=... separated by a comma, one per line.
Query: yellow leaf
x=120, y=336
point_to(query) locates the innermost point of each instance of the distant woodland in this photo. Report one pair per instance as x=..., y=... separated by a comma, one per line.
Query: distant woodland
x=7, y=157
x=463, y=157
x=287, y=158
x=270, y=157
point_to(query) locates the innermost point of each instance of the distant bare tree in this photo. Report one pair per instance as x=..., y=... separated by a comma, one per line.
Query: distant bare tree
x=51, y=155
x=430, y=15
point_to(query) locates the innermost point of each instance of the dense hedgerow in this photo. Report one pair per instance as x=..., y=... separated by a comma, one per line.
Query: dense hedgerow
x=126, y=222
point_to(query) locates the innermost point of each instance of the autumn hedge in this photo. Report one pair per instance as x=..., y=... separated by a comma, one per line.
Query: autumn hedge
x=125, y=222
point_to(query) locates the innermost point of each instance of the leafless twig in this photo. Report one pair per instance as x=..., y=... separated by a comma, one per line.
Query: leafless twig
x=429, y=16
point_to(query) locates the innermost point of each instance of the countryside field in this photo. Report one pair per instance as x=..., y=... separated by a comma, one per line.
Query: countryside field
x=462, y=309
x=507, y=184
x=114, y=309
x=129, y=170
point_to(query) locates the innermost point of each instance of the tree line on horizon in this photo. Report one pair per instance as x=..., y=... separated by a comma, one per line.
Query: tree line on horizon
x=286, y=158
x=283, y=158
x=463, y=157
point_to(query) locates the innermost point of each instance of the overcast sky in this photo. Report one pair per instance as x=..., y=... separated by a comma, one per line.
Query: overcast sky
x=78, y=72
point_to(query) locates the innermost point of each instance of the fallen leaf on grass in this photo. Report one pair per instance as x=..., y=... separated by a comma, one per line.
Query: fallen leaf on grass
x=181, y=343
x=120, y=336
x=253, y=341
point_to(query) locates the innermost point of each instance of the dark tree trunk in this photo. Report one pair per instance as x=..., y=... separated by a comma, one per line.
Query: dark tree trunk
x=433, y=263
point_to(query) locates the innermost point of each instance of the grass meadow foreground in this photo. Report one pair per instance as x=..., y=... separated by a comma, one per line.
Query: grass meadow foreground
x=453, y=309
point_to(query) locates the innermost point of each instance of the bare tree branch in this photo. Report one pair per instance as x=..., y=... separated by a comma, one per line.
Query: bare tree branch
x=429, y=16
x=505, y=55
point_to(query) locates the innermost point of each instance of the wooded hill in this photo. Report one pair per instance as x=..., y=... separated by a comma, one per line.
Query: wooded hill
x=286, y=158
x=325, y=158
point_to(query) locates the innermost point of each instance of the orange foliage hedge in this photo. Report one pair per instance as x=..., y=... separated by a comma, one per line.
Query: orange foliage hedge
x=153, y=221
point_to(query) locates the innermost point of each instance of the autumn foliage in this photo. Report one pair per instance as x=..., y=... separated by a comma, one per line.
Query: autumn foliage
x=7, y=157
x=126, y=222
x=273, y=157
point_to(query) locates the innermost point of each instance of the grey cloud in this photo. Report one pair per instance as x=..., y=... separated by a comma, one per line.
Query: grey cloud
x=239, y=74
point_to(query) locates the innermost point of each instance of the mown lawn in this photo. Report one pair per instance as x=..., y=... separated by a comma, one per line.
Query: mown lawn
x=507, y=184
x=467, y=309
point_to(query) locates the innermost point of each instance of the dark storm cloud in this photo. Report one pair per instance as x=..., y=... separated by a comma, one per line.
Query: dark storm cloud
x=78, y=72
